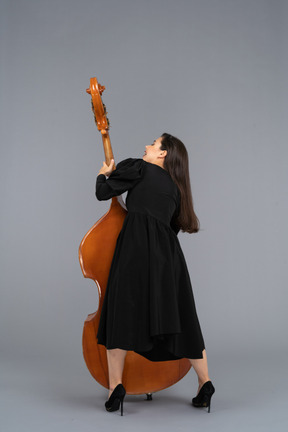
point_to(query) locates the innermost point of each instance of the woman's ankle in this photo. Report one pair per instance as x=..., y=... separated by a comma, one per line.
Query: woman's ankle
x=112, y=386
x=202, y=381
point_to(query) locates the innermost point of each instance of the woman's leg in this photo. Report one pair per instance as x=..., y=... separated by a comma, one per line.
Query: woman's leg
x=201, y=369
x=116, y=360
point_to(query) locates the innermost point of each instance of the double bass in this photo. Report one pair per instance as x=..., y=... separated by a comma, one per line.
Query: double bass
x=96, y=250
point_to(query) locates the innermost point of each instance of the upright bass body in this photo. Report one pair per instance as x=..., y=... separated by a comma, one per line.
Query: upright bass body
x=95, y=255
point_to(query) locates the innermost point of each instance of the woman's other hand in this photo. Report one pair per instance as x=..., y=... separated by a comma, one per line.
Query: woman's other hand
x=107, y=169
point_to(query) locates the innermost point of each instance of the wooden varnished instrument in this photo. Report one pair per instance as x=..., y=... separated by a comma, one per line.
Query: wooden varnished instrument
x=95, y=255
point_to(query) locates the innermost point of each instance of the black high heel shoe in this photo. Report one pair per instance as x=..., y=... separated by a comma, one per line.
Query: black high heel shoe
x=203, y=399
x=115, y=399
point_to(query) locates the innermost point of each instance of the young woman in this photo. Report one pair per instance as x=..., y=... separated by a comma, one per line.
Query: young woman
x=149, y=306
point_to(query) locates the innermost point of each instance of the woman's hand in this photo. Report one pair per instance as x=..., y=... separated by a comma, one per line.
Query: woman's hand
x=107, y=169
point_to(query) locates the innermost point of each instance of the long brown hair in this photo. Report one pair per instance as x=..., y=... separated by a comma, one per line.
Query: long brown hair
x=177, y=164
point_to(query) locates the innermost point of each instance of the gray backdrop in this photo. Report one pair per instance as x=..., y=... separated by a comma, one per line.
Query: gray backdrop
x=213, y=73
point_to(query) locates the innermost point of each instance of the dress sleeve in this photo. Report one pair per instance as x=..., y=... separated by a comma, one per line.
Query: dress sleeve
x=127, y=173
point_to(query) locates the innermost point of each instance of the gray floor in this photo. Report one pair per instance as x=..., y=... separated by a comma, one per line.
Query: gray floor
x=59, y=395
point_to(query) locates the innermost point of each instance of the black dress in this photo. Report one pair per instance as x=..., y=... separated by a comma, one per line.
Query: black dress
x=149, y=306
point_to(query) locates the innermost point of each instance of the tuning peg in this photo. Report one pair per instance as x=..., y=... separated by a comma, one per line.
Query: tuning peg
x=101, y=89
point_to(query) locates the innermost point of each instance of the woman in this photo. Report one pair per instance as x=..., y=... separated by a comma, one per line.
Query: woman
x=149, y=305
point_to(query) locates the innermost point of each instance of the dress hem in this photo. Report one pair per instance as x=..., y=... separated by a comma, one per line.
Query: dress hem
x=158, y=353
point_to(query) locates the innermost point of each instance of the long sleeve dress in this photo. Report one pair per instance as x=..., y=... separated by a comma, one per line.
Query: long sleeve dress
x=149, y=305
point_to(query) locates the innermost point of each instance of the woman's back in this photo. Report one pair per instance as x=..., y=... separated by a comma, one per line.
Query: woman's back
x=156, y=194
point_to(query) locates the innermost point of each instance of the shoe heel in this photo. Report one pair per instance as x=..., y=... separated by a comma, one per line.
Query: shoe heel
x=206, y=401
x=121, y=402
